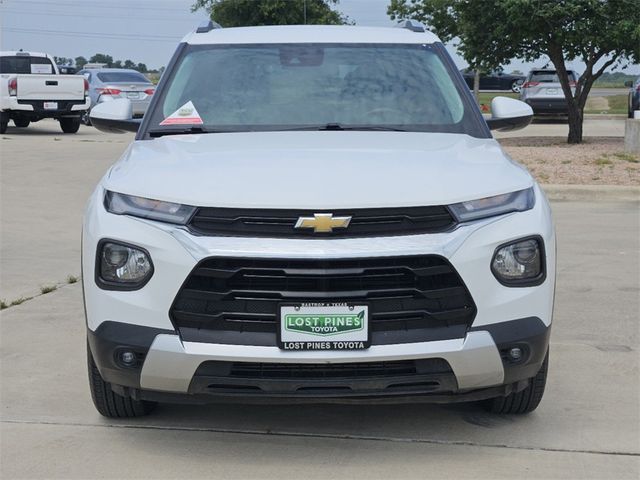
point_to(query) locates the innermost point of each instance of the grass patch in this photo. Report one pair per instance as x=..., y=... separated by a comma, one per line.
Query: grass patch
x=3, y=305
x=72, y=279
x=603, y=161
x=618, y=104
x=566, y=162
x=18, y=301
x=627, y=157
x=47, y=289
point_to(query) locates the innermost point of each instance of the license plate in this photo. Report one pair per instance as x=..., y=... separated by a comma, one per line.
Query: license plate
x=50, y=105
x=552, y=91
x=324, y=326
x=133, y=95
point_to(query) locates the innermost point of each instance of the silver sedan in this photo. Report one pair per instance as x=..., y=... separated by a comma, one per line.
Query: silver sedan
x=106, y=84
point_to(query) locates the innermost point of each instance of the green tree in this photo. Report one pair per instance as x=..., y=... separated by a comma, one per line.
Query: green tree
x=102, y=58
x=64, y=61
x=240, y=13
x=80, y=62
x=600, y=33
x=141, y=67
x=129, y=64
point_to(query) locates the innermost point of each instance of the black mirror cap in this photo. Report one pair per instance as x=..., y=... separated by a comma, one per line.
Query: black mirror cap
x=509, y=124
x=116, y=126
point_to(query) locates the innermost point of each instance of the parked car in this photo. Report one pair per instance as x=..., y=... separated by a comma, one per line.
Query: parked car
x=316, y=213
x=543, y=92
x=106, y=84
x=66, y=70
x=496, y=80
x=32, y=88
x=634, y=96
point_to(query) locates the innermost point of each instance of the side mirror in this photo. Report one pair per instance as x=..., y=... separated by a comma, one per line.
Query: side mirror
x=509, y=114
x=115, y=116
x=628, y=83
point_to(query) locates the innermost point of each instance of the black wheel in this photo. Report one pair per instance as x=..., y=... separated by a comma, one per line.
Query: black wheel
x=3, y=126
x=85, y=119
x=107, y=402
x=524, y=401
x=21, y=122
x=70, y=125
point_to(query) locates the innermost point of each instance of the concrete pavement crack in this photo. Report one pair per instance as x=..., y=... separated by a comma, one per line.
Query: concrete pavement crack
x=334, y=436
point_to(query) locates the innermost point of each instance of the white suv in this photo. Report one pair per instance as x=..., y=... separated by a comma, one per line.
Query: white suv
x=316, y=213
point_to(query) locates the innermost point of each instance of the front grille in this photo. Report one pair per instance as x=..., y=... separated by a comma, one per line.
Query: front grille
x=280, y=223
x=322, y=370
x=401, y=377
x=235, y=300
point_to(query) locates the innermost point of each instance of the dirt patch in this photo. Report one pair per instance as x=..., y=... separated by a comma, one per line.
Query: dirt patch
x=597, y=161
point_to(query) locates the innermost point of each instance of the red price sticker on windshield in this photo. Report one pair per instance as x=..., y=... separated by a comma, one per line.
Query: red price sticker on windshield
x=185, y=115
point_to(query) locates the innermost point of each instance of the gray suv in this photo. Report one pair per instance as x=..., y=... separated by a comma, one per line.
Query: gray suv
x=543, y=92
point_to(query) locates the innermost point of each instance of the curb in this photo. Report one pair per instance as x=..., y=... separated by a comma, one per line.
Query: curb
x=592, y=193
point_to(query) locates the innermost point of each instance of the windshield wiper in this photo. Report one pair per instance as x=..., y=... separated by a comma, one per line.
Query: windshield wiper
x=159, y=132
x=364, y=128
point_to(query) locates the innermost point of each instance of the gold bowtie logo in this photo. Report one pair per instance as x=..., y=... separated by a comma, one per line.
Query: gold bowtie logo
x=323, y=222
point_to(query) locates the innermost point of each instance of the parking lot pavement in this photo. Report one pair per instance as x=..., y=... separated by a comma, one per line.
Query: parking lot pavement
x=46, y=179
x=592, y=127
x=588, y=425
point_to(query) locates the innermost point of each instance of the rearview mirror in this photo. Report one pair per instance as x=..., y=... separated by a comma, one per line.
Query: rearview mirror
x=115, y=116
x=509, y=114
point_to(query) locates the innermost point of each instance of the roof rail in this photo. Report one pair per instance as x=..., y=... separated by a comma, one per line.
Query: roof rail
x=412, y=25
x=207, y=26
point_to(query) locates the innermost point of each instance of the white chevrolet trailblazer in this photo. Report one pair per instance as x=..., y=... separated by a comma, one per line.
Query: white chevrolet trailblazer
x=316, y=213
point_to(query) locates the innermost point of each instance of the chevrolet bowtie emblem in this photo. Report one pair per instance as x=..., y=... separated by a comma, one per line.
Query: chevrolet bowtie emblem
x=323, y=222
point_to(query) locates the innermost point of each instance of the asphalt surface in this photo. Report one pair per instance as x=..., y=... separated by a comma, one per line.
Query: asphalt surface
x=588, y=425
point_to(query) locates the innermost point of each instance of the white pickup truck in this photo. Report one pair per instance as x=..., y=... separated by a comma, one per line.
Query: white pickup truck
x=31, y=88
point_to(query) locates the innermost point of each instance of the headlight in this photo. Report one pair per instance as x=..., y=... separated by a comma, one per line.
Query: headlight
x=491, y=206
x=520, y=263
x=122, y=204
x=122, y=267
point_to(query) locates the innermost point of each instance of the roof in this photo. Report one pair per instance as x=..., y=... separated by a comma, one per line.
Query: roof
x=111, y=70
x=13, y=53
x=309, y=34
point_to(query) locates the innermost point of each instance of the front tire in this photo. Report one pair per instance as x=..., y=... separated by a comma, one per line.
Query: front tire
x=525, y=401
x=107, y=402
x=21, y=122
x=70, y=125
x=86, y=119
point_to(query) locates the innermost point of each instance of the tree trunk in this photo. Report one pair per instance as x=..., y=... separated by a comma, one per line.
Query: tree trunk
x=476, y=86
x=576, y=116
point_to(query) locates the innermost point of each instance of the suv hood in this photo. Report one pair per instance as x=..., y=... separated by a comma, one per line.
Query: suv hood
x=316, y=170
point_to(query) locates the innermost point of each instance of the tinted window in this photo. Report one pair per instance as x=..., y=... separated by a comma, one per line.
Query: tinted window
x=26, y=65
x=267, y=87
x=122, y=77
x=550, y=77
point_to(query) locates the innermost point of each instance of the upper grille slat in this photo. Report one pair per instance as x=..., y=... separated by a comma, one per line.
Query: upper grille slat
x=419, y=294
x=275, y=223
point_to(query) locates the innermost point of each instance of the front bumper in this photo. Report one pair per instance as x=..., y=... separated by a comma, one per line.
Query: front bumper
x=470, y=364
x=505, y=315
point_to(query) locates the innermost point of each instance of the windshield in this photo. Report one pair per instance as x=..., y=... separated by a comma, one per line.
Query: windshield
x=271, y=87
x=26, y=65
x=122, y=77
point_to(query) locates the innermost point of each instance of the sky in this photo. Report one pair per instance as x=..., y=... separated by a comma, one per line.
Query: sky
x=146, y=31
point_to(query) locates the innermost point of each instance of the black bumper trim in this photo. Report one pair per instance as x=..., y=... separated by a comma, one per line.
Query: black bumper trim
x=110, y=337
x=531, y=335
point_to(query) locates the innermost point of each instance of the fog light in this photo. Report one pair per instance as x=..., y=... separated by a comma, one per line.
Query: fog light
x=128, y=358
x=515, y=354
